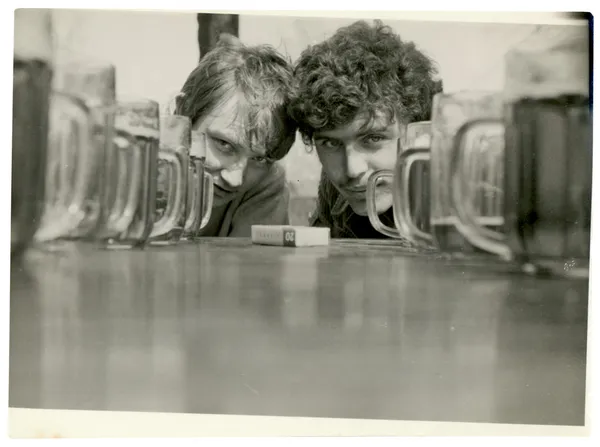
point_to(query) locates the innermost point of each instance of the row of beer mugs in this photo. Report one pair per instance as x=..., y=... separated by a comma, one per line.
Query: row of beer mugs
x=89, y=166
x=507, y=173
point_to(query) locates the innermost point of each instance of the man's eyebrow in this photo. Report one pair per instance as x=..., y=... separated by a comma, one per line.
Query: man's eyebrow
x=375, y=128
x=229, y=135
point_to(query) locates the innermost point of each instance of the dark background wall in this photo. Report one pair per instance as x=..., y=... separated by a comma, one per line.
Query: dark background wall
x=210, y=26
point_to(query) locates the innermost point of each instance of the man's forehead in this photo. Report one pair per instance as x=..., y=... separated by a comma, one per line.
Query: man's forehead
x=227, y=120
x=228, y=115
x=231, y=126
x=360, y=124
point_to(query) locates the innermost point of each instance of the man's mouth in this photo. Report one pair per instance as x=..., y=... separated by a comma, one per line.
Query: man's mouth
x=357, y=190
x=224, y=190
x=358, y=193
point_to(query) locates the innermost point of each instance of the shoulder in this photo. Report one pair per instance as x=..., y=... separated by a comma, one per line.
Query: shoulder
x=326, y=189
x=272, y=182
x=327, y=195
x=276, y=174
x=266, y=202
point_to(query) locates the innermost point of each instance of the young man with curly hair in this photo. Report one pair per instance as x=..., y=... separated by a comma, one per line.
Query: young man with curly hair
x=354, y=95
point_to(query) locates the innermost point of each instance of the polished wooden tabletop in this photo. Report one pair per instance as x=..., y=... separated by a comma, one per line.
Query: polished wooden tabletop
x=353, y=330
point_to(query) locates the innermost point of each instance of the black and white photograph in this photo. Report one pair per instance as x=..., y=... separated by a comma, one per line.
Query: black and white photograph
x=332, y=216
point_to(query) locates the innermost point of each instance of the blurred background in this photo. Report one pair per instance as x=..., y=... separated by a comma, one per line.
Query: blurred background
x=168, y=45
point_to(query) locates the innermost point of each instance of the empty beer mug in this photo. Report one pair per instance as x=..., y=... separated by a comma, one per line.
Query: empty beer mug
x=32, y=82
x=450, y=112
x=547, y=128
x=137, y=136
x=417, y=135
x=200, y=189
x=81, y=164
x=67, y=167
x=172, y=179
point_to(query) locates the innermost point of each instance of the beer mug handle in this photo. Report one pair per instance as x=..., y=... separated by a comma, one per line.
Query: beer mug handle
x=371, y=205
x=405, y=223
x=193, y=211
x=169, y=219
x=120, y=221
x=118, y=208
x=208, y=190
x=181, y=186
x=76, y=111
x=484, y=238
x=80, y=115
x=57, y=181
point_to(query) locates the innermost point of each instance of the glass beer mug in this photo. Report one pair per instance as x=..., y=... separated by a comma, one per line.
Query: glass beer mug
x=137, y=136
x=172, y=179
x=450, y=112
x=200, y=189
x=417, y=135
x=82, y=167
x=547, y=127
x=32, y=81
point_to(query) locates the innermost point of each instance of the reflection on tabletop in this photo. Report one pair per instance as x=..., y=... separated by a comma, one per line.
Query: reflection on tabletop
x=349, y=330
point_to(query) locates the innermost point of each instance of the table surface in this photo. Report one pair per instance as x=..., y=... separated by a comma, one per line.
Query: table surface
x=353, y=330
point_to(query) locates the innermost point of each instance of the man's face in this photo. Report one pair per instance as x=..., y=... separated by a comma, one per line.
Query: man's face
x=229, y=160
x=350, y=153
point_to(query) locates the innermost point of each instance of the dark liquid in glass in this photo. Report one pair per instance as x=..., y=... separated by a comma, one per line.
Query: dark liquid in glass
x=549, y=178
x=418, y=190
x=31, y=92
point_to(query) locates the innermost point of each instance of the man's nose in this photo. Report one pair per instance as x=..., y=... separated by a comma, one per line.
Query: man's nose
x=234, y=175
x=356, y=164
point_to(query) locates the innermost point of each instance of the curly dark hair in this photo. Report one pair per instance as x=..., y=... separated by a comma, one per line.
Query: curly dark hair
x=362, y=68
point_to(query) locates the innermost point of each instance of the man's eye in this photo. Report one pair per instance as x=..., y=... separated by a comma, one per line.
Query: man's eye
x=260, y=160
x=223, y=146
x=327, y=144
x=372, y=139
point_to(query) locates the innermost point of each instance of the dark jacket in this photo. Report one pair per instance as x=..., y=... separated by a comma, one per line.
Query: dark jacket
x=334, y=212
x=265, y=203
